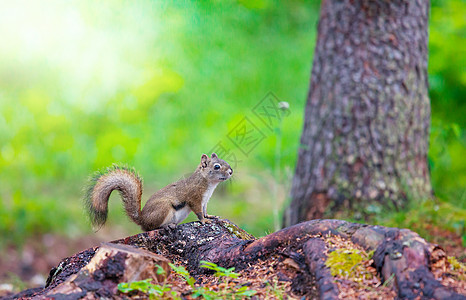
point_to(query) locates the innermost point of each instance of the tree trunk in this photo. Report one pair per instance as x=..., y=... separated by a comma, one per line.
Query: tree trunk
x=365, y=137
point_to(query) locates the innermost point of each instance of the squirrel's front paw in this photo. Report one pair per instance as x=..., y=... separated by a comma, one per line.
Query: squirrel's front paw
x=206, y=221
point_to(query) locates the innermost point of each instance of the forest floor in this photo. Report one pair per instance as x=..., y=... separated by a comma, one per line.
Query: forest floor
x=30, y=266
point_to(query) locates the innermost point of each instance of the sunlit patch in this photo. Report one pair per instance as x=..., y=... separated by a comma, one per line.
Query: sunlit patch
x=88, y=51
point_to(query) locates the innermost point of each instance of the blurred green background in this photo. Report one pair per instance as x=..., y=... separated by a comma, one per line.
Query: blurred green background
x=155, y=84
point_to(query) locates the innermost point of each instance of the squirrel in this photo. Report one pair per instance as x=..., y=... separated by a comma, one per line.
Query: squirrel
x=170, y=205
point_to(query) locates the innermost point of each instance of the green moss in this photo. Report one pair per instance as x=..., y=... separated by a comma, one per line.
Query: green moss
x=457, y=268
x=455, y=265
x=238, y=232
x=349, y=263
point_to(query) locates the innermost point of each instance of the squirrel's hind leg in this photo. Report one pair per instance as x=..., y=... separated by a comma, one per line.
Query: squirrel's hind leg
x=169, y=226
x=156, y=214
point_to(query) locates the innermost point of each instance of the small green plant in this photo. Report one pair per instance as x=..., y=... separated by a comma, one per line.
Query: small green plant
x=165, y=291
x=275, y=289
x=154, y=291
x=183, y=274
x=389, y=282
x=226, y=275
x=219, y=271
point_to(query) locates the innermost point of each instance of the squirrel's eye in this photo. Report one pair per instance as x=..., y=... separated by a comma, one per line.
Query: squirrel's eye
x=216, y=166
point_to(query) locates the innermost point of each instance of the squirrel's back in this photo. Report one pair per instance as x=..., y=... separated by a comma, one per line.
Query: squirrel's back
x=121, y=178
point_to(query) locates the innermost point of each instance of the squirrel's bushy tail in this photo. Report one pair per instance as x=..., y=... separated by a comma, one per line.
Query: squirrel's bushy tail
x=121, y=178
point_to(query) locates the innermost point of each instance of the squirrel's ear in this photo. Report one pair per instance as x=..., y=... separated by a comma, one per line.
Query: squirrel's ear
x=204, y=159
x=214, y=155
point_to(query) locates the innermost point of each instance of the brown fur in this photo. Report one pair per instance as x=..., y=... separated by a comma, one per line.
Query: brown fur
x=129, y=187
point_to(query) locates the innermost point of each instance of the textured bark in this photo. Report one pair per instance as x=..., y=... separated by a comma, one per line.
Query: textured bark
x=397, y=251
x=314, y=250
x=110, y=265
x=365, y=137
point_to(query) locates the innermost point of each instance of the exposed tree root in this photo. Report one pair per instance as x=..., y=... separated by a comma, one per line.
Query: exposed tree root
x=397, y=251
x=314, y=249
